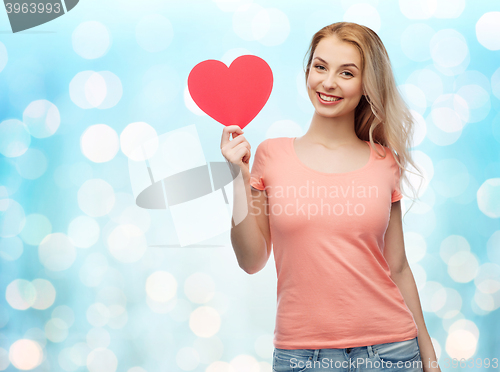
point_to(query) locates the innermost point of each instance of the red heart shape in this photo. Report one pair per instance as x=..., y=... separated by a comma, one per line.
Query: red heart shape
x=231, y=95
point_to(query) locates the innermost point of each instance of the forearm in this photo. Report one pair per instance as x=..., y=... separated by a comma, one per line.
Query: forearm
x=408, y=288
x=247, y=239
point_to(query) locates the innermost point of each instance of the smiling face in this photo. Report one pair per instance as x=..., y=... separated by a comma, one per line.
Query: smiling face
x=336, y=71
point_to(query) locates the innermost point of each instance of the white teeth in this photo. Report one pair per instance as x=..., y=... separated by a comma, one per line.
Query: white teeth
x=328, y=98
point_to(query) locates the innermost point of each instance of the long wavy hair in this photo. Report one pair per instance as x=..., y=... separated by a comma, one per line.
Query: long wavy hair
x=382, y=115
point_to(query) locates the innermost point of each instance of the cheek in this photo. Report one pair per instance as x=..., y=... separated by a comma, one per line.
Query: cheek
x=351, y=90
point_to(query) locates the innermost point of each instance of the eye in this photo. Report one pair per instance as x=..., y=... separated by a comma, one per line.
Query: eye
x=318, y=66
x=348, y=73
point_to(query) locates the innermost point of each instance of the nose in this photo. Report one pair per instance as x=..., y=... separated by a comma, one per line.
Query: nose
x=330, y=82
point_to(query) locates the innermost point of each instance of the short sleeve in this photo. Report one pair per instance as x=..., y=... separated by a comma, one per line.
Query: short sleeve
x=396, y=193
x=257, y=174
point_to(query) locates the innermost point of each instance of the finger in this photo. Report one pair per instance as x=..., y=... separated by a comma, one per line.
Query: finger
x=226, y=132
x=241, y=151
x=235, y=142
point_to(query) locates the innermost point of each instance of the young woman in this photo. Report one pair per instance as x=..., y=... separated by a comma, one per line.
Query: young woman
x=329, y=202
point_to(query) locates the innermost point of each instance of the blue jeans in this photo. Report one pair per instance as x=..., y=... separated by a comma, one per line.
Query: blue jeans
x=391, y=356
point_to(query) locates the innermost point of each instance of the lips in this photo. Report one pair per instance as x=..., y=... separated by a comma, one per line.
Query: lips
x=324, y=102
x=328, y=95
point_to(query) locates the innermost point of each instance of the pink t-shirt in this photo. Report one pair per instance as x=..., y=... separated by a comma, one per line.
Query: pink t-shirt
x=327, y=232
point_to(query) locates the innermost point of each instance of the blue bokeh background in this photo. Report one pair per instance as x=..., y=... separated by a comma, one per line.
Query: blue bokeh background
x=72, y=93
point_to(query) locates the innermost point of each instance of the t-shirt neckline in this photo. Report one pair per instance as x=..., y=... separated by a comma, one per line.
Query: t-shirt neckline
x=370, y=160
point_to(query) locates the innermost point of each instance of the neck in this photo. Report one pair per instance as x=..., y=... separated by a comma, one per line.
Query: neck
x=332, y=132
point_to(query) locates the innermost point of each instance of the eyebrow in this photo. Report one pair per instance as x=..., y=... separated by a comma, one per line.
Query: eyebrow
x=344, y=65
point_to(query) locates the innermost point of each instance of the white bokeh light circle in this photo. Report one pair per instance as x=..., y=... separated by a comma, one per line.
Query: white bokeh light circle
x=429, y=82
x=364, y=14
x=205, y=321
x=4, y=56
x=251, y=22
x=127, y=243
x=488, y=29
x=98, y=337
x=452, y=245
x=134, y=215
x=36, y=228
x=102, y=360
x=42, y=118
x=452, y=304
x=65, y=361
x=462, y=340
x=478, y=101
x=90, y=89
x=139, y=369
x=96, y=197
x=278, y=26
x=65, y=313
x=118, y=316
x=139, y=141
x=450, y=113
x=25, y=354
x=230, y=6
x=114, y=90
x=417, y=9
x=77, y=91
x=91, y=40
x=99, y=143
x=488, y=197
x=45, y=294
x=123, y=200
x=161, y=286
x=488, y=279
x=15, y=138
x=95, y=89
x=449, y=8
x=83, y=231
x=57, y=252
x=448, y=48
x=432, y=296
x=447, y=119
x=199, y=288
x=188, y=359
x=98, y=314
x=154, y=33
x=12, y=218
x=79, y=353
x=20, y=294
x=463, y=267
x=36, y=334
x=56, y=330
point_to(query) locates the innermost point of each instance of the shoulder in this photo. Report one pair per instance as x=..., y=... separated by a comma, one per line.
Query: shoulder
x=272, y=144
x=384, y=152
x=386, y=156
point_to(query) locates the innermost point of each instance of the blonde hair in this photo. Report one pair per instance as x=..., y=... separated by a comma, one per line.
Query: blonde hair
x=382, y=115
